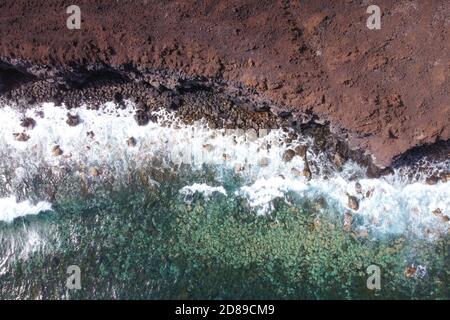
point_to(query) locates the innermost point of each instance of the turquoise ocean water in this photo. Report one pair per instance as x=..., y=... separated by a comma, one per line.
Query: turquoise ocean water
x=194, y=213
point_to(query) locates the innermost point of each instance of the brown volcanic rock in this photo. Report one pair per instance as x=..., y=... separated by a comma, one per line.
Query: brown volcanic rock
x=388, y=88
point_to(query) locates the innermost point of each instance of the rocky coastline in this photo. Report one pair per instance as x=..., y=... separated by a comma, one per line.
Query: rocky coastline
x=250, y=64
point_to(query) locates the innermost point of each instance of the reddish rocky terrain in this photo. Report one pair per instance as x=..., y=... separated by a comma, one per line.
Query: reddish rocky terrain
x=388, y=90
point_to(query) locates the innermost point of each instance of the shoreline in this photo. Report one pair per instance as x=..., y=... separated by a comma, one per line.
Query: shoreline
x=220, y=104
x=386, y=90
x=224, y=149
x=85, y=168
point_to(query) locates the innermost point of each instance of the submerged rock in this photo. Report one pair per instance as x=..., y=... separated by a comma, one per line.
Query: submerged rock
x=208, y=147
x=432, y=180
x=131, y=142
x=56, y=151
x=317, y=223
x=141, y=118
x=438, y=213
x=445, y=177
x=238, y=168
x=90, y=134
x=338, y=160
x=22, y=136
x=362, y=234
x=28, y=123
x=301, y=150
x=288, y=155
x=95, y=172
x=307, y=172
x=73, y=120
x=263, y=162
x=410, y=271
x=348, y=219
x=353, y=203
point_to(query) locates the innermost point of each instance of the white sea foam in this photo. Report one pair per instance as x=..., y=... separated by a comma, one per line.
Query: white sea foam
x=195, y=145
x=389, y=209
x=20, y=243
x=10, y=209
x=391, y=204
x=206, y=190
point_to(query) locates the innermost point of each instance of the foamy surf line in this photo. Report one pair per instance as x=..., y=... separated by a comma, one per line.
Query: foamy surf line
x=110, y=138
x=10, y=209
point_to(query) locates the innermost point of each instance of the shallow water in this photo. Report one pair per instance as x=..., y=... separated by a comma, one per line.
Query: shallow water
x=191, y=212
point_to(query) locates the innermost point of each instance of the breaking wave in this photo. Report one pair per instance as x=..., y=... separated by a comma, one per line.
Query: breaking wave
x=272, y=164
x=10, y=209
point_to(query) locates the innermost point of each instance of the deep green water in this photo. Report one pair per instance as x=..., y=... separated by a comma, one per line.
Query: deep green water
x=135, y=240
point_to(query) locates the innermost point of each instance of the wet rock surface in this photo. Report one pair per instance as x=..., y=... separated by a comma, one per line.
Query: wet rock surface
x=57, y=151
x=288, y=155
x=22, y=137
x=73, y=120
x=28, y=123
x=353, y=203
x=131, y=142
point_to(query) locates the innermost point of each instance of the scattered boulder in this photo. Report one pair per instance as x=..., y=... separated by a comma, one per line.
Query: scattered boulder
x=338, y=160
x=348, y=219
x=438, y=213
x=208, y=147
x=28, y=123
x=39, y=114
x=307, y=172
x=288, y=155
x=445, y=177
x=415, y=272
x=410, y=271
x=141, y=117
x=353, y=203
x=73, y=120
x=131, y=142
x=22, y=136
x=292, y=136
x=95, y=172
x=301, y=150
x=263, y=162
x=56, y=151
x=432, y=180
